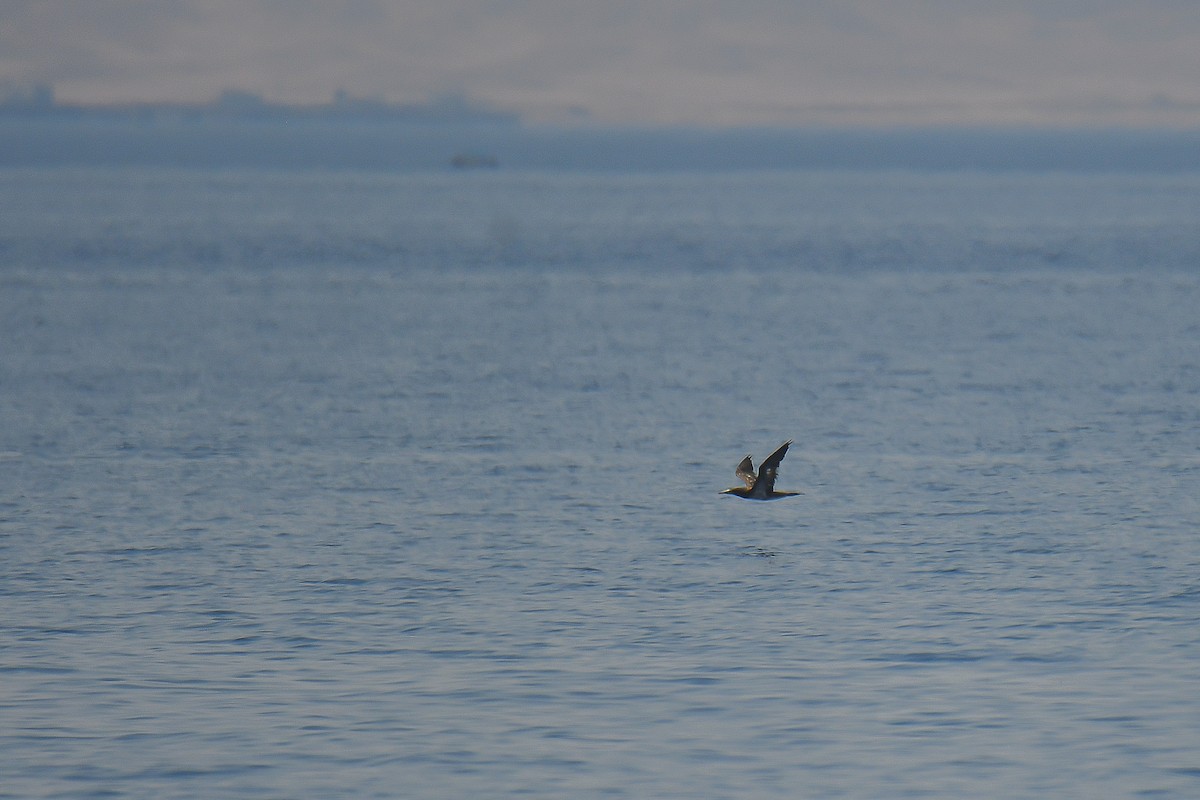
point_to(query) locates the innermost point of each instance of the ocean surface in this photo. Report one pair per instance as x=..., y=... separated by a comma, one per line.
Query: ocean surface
x=349, y=484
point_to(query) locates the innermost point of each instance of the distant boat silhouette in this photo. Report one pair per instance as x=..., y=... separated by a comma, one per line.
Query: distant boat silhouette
x=474, y=161
x=762, y=485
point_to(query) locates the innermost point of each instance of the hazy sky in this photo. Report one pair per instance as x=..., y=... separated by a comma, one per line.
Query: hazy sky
x=719, y=62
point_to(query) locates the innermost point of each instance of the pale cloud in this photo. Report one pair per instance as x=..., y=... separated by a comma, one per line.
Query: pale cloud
x=724, y=62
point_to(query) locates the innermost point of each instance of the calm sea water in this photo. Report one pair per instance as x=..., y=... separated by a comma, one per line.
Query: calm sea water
x=335, y=484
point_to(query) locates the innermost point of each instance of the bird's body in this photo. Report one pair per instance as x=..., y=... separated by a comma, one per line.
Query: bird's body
x=761, y=485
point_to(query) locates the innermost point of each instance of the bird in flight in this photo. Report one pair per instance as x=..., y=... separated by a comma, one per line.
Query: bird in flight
x=761, y=486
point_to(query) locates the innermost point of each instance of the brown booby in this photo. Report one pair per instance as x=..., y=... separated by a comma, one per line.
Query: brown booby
x=762, y=485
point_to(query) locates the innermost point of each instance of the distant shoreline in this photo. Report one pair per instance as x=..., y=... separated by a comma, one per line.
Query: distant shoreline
x=39, y=102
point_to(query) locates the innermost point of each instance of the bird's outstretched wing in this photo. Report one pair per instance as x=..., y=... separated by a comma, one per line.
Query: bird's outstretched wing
x=770, y=465
x=745, y=471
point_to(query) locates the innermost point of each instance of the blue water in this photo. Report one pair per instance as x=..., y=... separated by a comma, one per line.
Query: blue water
x=321, y=484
